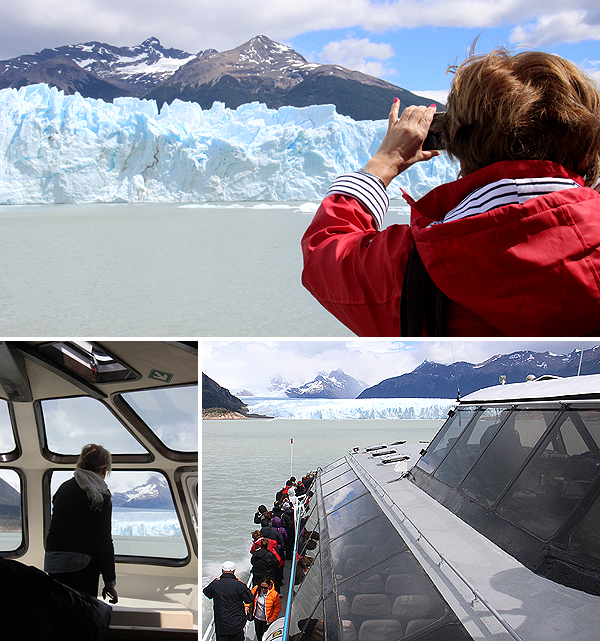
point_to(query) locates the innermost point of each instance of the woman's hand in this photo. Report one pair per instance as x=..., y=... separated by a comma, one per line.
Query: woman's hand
x=114, y=597
x=401, y=145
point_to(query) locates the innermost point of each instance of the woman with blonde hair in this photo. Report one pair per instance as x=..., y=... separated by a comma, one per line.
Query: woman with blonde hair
x=79, y=544
x=511, y=248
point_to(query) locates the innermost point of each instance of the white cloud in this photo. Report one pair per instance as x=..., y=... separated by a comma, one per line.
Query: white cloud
x=194, y=25
x=568, y=26
x=357, y=54
x=440, y=95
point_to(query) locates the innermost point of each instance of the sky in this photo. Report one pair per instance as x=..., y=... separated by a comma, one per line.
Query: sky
x=250, y=365
x=410, y=43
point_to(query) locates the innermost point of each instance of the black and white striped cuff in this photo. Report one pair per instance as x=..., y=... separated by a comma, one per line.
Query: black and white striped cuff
x=366, y=188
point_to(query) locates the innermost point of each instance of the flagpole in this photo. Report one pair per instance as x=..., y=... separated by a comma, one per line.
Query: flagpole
x=291, y=455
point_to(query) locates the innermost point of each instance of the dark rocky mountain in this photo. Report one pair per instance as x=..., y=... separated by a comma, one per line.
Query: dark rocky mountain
x=259, y=70
x=152, y=495
x=10, y=504
x=433, y=380
x=105, y=71
x=265, y=71
x=215, y=396
x=336, y=384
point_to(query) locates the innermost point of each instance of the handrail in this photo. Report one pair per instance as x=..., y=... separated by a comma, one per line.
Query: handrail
x=299, y=509
x=478, y=596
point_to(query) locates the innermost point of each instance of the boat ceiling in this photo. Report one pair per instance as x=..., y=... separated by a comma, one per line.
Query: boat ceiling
x=27, y=374
x=574, y=387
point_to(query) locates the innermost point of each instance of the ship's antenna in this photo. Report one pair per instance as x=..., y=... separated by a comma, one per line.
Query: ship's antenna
x=581, y=358
x=455, y=374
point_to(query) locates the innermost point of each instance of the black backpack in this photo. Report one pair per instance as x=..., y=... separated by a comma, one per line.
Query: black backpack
x=422, y=304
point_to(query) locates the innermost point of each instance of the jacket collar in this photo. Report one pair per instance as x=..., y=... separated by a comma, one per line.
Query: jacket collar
x=439, y=201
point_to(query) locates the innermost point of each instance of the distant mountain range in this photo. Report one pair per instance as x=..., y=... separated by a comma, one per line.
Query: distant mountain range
x=10, y=506
x=336, y=384
x=433, y=380
x=213, y=396
x=259, y=70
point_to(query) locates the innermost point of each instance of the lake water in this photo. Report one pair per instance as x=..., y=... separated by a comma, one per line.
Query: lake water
x=245, y=462
x=158, y=269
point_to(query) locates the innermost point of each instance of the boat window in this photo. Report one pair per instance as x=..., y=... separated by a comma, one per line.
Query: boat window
x=306, y=625
x=332, y=466
x=338, y=482
x=145, y=522
x=7, y=437
x=586, y=537
x=311, y=533
x=356, y=550
x=171, y=413
x=309, y=590
x=344, y=495
x=71, y=423
x=506, y=453
x=352, y=514
x=11, y=524
x=551, y=486
x=467, y=447
x=391, y=600
x=445, y=439
x=336, y=471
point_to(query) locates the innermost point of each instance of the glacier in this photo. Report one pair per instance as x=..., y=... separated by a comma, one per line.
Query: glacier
x=368, y=408
x=57, y=148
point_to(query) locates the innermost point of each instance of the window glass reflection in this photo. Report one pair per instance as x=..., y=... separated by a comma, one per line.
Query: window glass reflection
x=508, y=449
x=551, y=486
x=445, y=439
x=347, y=517
x=336, y=471
x=7, y=438
x=469, y=445
x=338, y=481
x=344, y=495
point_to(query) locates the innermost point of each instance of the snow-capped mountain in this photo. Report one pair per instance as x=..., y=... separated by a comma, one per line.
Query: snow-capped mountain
x=103, y=68
x=336, y=384
x=260, y=70
x=434, y=380
x=152, y=495
x=278, y=384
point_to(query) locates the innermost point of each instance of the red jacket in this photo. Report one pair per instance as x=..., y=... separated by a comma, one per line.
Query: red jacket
x=530, y=269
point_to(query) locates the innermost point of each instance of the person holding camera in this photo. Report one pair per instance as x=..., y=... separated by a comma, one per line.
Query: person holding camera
x=511, y=248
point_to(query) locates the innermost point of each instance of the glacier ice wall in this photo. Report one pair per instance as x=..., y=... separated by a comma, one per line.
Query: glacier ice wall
x=56, y=148
x=368, y=408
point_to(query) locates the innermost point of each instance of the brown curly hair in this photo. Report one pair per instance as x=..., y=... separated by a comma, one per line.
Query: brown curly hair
x=527, y=106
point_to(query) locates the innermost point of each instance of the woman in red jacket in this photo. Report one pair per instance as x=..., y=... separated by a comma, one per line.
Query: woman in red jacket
x=513, y=245
x=265, y=607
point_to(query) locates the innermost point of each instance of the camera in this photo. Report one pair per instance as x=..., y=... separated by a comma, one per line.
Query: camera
x=433, y=139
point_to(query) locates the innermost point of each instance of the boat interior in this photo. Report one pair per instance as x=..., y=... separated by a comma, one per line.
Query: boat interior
x=138, y=399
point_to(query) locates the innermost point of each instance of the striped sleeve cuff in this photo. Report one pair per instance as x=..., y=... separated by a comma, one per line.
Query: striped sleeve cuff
x=366, y=188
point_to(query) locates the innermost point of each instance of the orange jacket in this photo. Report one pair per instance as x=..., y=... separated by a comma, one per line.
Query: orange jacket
x=272, y=606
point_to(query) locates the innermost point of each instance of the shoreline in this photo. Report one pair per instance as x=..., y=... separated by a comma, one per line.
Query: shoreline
x=219, y=413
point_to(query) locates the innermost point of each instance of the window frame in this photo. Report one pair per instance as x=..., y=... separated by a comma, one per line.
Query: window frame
x=134, y=419
x=56, y=457
x=24, y=547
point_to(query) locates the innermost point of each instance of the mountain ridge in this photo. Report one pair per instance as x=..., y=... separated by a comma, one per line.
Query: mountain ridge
x=259, y=70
